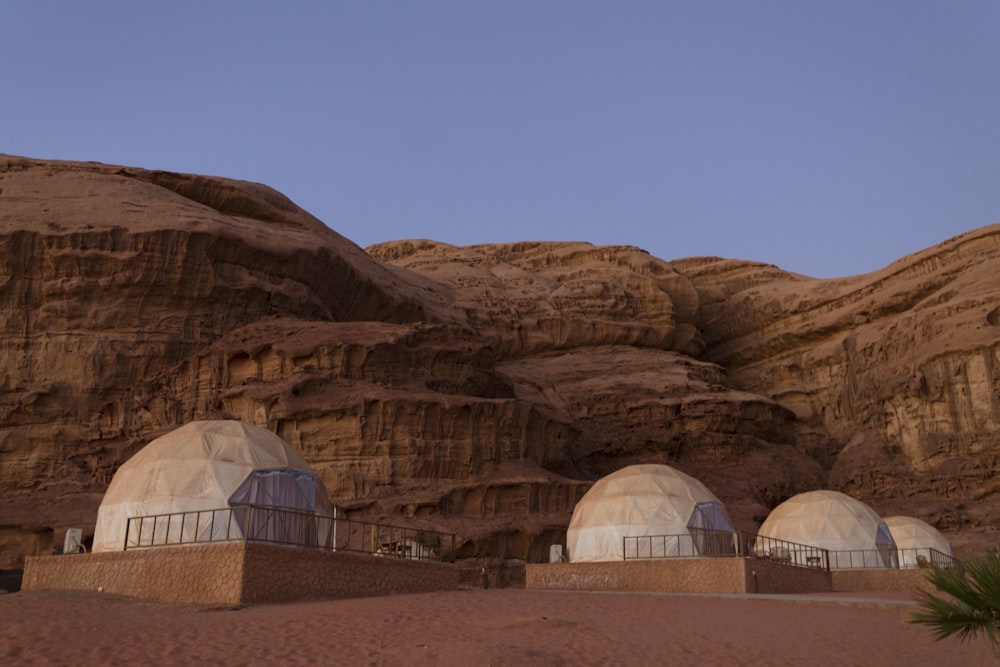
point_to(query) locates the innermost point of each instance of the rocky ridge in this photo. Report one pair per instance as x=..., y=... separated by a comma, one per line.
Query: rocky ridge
x=477, y=390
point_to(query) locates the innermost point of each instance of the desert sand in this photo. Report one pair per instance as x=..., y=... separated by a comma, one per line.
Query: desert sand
x=484, y=627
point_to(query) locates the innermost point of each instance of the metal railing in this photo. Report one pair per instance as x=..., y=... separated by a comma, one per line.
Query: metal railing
x=784, y=552
x=696, y=544
x=271, y=525
x=218, y=525
x=864, y=559
x=713, y=544
x=890, y=557
x=701, y=543
x=925, y=557
x=381, y=539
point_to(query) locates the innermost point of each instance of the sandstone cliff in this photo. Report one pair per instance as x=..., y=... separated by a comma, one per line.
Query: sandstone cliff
x=897, y=372
x=477, y=390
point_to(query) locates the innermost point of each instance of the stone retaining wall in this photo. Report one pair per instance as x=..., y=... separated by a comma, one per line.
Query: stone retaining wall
x=694, y=575
x=765, y=576
x=280, y=574
x=236, y=573
x=905, y=580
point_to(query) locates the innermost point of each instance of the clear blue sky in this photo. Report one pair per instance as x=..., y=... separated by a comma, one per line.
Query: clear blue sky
x=830, y=138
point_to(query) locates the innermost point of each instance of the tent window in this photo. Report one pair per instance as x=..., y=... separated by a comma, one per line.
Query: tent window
x=886, y=546
x=284, y=489
x=711, y=530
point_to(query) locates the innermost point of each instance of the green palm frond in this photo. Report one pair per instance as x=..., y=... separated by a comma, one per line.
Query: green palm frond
x=972, y=603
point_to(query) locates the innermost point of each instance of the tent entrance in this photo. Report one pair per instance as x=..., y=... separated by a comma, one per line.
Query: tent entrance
x=711, y=530
x=281, y=505
x=888, y=556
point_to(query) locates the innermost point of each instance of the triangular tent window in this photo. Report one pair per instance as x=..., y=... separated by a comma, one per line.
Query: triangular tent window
x=886, y=546
x=711, y=530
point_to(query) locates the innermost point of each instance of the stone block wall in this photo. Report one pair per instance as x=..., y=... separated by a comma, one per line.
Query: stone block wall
x=904, y=580
x=703, y=575
x=695, y=575
x=197, y=574
x=765, y=576
x=236, y=573
x=280, y=574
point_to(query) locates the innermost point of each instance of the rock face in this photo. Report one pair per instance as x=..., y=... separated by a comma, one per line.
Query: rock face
x=475, y=390
x=894, y=376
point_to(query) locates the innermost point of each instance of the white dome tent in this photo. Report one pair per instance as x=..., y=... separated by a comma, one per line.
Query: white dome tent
x=210, y=465
x=919, y=543
x=648, y=501
x=850, y=530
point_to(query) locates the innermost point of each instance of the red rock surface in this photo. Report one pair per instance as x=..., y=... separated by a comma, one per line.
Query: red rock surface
x=476, y=390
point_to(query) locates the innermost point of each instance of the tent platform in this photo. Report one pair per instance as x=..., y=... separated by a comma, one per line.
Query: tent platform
x=716, y=575
x=237, y=573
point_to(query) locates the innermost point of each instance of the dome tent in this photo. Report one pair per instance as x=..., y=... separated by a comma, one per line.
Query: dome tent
x=917, y=541
x=647, y=501
x=207, y=465
x=850, y=530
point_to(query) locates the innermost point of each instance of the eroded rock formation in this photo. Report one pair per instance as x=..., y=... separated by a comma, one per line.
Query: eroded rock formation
x=476, y=390
x=897, y=370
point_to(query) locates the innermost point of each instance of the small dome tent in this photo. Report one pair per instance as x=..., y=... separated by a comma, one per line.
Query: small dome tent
x=918, y=541
x=854, y=534
x=648, y=501
x=208, y=465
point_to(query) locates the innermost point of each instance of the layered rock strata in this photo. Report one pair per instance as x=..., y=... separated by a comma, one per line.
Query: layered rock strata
x=477, y=390
x=897, y=372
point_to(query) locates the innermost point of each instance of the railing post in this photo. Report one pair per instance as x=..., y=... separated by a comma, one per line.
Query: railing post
x=128, y=525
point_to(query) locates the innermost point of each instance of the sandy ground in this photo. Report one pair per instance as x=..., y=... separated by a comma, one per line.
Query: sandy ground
x=491, y=627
